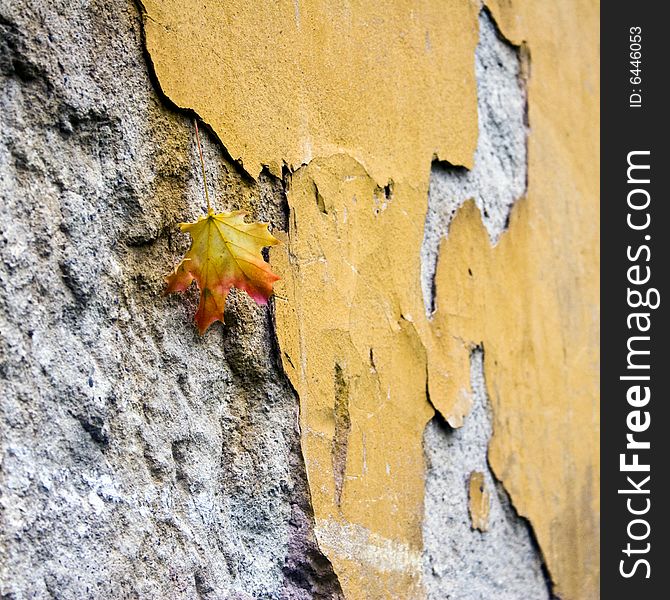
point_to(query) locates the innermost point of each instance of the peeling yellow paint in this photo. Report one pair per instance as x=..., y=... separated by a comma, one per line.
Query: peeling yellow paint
x=285, y=82
x=371, y=92
x=479, y=501
x=541, y=378
x=354, y=300
x=544, y=279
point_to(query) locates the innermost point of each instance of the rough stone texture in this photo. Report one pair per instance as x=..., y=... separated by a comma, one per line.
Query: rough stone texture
x=460, y=562
x=138, y=458
x=500, y=170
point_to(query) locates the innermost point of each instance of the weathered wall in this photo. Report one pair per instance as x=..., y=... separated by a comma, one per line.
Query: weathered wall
x=351, y=265
x=140, y=459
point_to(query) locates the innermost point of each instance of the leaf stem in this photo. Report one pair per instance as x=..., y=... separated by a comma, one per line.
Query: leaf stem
x=202, y=164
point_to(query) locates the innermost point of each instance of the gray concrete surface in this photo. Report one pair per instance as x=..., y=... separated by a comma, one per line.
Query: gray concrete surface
x=461, y=563
x=139, y=460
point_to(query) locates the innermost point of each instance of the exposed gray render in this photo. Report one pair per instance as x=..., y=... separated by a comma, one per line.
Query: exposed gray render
x=461, y=563
x=138, y=459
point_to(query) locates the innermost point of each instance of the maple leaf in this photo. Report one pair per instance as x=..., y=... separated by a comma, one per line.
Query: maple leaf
x=225, y=252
